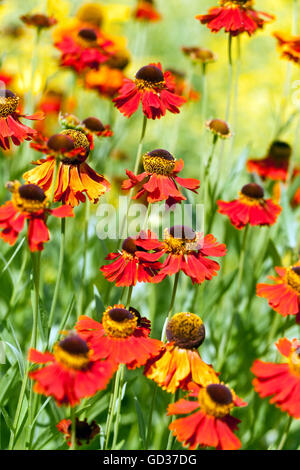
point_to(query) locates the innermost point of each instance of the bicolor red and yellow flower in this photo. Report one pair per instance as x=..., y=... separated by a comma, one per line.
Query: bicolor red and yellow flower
x=281, y=381
x=236, y=17
x=179, y=361
x=75, y=178
x=209, y=423
x=250, y=208
x=146, y=11
x=29, y=203
x=154, y=89
x=122, y=337
x=289, y=46
x=71, y=372
x=275, y=164
x=284, y=295
x=160, y=180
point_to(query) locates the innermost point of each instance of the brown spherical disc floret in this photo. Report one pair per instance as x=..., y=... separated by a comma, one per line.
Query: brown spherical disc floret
x=253, y=190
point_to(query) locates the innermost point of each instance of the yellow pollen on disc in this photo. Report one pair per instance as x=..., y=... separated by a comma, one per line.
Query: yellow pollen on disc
x=237, y=3
x=118, y=329
x=72, y=361
x=8, y=105
x=293, y=279
x=23, y=204
x=211, y=407
x=249, y=201
x=147, y=85
x=179, y=246
x=78, y=137
x=158, y=165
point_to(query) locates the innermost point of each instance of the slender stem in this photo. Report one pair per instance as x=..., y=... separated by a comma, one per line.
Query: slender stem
x=36, y=263
x=117, y=421
x=85, y=249
x=171, y=438
x=73, y=429
x=227, y=335
x=285, y=434
x=171, y=305
x=273, y=328
x=230, y=77
x=206, y=175
x=111, y=410
x=59, y=274
x=150, y=416
x=204, y=93
x=130, y=289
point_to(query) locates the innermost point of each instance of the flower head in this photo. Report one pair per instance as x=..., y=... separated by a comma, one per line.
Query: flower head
x=289, y=46
x=284, y=295
x=188, y=251
x=250, y=208
x=75, y=178
x=159, y=180
x=90, y=126
x=121, y=338
x=127, y=267
x=210, y=424
x=29, y=202
x=39, y=20
x=72, y=371
x=179, y=361
x=146, y=11
x=10, y=126
x=84, y=431
x=281, y=381
x=275, y=164
x=151, y=87
x=236, y=17
x=219, y=128
x=199, y=55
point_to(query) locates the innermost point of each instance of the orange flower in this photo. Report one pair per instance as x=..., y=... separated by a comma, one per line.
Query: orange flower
x=121, y=338
x=276, y=163
x=75, y=178
x=179, y=362
x=211, y=425
x=281, y=381
x=250, y=208
x=107, y=81
x=289, y=46
x=146, y=11
x=284, y=295
x=71, y=373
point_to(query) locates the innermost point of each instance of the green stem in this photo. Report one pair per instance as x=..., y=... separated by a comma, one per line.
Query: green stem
x=285, y=434
x=111, y=410
x=151, y=416
x=117, y=421
x=59, y=274
x=85, y=249
x=130, y=289
x=36, y=264
x=204, y=94
x=73, y=429
x=57, y=162
x=163, y=336
x=230, y=77
x=171, y=438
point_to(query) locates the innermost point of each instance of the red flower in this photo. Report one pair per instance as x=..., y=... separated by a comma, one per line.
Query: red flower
x=83, y=47
x=84, y=431
x=179, y=361
x=39, y=20
x=121, y=338
x=154, y=89
x=281, y=381
x=236, y=17
x=127, y=267
x=75, y=178
x=275, y=165
x=284, y=295
x=211, y=425
x=10, y=125
x=71, y=373
x=289, y=46
x=159, y=180
x=146, y=11
x=29, y=202
x=187, y=251
x=251, y=208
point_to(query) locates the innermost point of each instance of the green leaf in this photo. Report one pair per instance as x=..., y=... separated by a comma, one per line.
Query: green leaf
x=141, y=421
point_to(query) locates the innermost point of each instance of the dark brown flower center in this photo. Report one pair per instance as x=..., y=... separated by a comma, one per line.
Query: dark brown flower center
x=93, y=124
x=129, y=246
x=219, y=127
x=4, y=93
x=74, y=344
x=164, y=154
x=220, y=394
x=150, y=73
x=32, y=192
x=182, y=232
x=186, y=330
x=60, y=142
x=84, y=430
x=280, y=150
x=296, y=270
x=88, y=34
x=253, y=191
x=120, y=314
